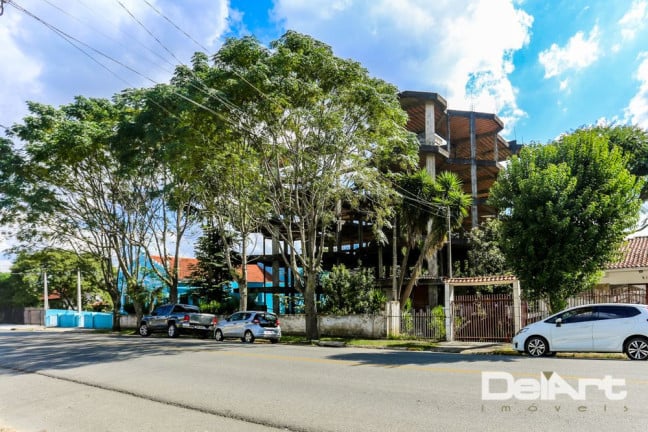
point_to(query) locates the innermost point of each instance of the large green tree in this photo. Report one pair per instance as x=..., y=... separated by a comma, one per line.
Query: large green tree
x=633, y=140
x=11, y=181
x=151, y=144
x=24, y=287
x=321, y=130
x=565, y=208
x=76, y=191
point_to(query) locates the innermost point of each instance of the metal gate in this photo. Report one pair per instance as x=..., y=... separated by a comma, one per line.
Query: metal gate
x=485, y=317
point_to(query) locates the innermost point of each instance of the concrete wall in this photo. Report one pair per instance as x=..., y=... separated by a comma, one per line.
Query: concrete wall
x=128, y=321
x=361, y=326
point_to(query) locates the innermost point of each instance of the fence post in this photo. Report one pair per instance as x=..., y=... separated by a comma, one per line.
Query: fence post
x=517, y=307
x=449, y=322
x=392, y=311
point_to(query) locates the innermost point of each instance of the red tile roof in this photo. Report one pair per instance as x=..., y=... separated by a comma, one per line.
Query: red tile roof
x=255, y=274
x=634, y=254
x=481, y=280
x=187, y=266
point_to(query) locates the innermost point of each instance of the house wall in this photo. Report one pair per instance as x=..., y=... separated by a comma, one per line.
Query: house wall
x=625, y=277
x=362, y=326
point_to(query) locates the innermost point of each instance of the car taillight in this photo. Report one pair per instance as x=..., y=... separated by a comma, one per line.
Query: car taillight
x=186, y=318
x=277, y=322
x=215, y=320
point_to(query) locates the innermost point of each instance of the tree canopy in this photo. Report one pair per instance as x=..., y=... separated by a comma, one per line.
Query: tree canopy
x=296, y=132
x=565, y=208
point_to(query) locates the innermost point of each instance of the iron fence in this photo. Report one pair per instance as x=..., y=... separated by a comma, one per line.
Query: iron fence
x=483, y=317
x=423, y=324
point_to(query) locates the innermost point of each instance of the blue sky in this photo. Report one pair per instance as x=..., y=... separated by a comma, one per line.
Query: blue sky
x=545, y=67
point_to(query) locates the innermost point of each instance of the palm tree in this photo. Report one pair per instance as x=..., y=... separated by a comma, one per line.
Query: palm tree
x=427, y=202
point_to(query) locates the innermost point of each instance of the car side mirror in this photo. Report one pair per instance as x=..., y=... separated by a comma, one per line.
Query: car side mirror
x=558, y=322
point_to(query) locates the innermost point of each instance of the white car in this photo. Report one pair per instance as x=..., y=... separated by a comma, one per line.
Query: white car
x=608, y=327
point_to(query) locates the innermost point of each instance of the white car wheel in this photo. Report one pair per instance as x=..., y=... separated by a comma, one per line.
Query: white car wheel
x=536, y=346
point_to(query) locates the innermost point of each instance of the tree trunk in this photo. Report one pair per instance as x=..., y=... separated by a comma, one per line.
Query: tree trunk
x=243, y=285
x=416, y=272
x=116, y=299
x=310, y=307
x=173, y=289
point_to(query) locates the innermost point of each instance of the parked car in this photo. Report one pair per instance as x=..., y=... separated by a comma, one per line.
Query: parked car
x=608, y=327
x=174, y=319
x=248, y=326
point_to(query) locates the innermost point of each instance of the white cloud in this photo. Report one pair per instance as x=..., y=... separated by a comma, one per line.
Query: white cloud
x=634, y=20
x=40, y=65
x=19, y=72
x=564, y=84
x=461, y=50
x=637, y=110
x=577, y=54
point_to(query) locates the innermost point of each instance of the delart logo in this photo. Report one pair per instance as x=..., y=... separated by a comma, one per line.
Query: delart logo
x=547, y=387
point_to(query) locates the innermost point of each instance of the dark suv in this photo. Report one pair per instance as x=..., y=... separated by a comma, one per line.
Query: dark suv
x=249, y=325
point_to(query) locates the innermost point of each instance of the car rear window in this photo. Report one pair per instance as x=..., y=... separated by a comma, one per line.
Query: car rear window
x=268, y=317
x=616, y=312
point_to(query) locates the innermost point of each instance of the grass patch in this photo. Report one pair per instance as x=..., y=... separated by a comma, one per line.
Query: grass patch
x=413, y=345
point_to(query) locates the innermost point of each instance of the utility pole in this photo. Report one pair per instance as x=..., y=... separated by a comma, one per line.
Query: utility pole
x=449, y=243
x=45, y=294
x=79, y=298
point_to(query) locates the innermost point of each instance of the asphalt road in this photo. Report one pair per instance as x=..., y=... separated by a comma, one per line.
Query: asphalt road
x=91, y=382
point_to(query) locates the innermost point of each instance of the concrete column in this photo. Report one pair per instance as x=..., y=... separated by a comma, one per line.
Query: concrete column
x=517, y=307
x=394, y=273
x=449, y=322
x=430, y=165
x=432, y=261
x=448, y=134
x=430, y=127
x=473, y=171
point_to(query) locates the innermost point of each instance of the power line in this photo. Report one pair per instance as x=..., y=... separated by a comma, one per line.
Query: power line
x=76, y=42
x=109, y=37
x=176, y=26
x=203, y=88
x=205, y=49
x=148, y=31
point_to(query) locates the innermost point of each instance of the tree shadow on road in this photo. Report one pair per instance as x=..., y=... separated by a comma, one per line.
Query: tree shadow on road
x=33, y=351
x=393, y=358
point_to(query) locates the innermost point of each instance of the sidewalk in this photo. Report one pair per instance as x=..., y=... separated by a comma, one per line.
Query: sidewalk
x=33, y=327
x=459, y=347
x=456, y=347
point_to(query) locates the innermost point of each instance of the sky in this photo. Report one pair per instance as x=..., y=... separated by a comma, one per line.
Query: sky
x=544, y=67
